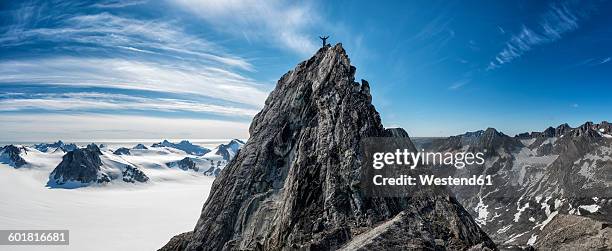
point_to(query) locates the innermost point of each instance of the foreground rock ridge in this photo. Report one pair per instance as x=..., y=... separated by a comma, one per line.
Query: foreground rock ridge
x=295, y=184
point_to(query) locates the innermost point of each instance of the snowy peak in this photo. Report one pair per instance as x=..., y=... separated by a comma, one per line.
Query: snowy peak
x=185, y=146
x=211, y=163
x=122, y=151
x=140, y=147
x=229, y=150
x=80, y=165
x=10, y=155
x=85, y=166
x=57, y=146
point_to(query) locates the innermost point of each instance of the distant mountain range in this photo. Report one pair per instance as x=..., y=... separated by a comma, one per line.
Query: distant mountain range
x=99, y=164
x=537, y=176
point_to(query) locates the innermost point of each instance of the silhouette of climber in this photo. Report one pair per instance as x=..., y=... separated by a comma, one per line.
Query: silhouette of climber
x=324, y=40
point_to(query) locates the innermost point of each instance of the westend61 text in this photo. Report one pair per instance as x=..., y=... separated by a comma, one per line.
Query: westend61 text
x=429, y=180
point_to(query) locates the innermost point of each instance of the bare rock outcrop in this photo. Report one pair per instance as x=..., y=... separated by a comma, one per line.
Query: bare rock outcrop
x=571, y=232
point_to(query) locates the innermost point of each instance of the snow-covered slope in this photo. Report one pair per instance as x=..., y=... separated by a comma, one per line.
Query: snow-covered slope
x=121, y=216
x=118, y=215
x=558, y=171
x=108, y=164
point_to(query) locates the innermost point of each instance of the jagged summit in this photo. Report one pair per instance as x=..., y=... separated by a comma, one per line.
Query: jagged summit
x=487, y=141
x=227, y=151
x=57, y=146
x=10, y=154
x=588, y=130
x=88, y=165
x=184, y=145
x=296, y=183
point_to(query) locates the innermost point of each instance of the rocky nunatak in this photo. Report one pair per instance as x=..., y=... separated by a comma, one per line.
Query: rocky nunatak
x=295, y=184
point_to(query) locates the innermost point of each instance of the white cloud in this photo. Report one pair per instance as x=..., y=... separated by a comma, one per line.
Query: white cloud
x=458, y=84
x=131, y=74
x=92, y=127
x=116, y=102
x=553, y=25
x=286, y=24
x=104, y=30
x=118, y=3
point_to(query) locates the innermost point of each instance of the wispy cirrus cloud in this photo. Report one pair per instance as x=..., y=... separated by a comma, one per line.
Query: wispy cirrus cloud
x=74, y=57
x=104, y=30
x=119, y=3
x=286, y=24
x=560, y=19
x=458, y=84
x=133, y=74
x=92, y=101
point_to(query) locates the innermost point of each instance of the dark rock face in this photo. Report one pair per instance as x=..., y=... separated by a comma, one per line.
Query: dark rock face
x=122, y=151
x=67, y=147
x=547, y=133
x=184, y=164
x=80, y=165
x=132, y=174
x=562, y=129
x=227, y=151
x=604, y=127
x=295, y=184
x=587, y=129
x=10, y=155
x=178, y=242
x=184, y=145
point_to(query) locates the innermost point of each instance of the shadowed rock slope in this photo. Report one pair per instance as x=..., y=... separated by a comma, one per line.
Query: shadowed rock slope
x=296, y=182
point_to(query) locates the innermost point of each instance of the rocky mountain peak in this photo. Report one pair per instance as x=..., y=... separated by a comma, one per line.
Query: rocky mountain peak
x=140, y=147
x=57, y=146
x=94, y=148
x=488, y=141
x=548, y=132
x=227, y=151
x=185, y=146
x=122, y=151
x=80, y=165
x=10, y=154
x=606, y=126
x=586, y=130
x=562, y=129
x=296, y=183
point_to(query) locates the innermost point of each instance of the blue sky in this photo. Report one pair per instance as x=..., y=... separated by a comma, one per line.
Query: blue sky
x=201, y=69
